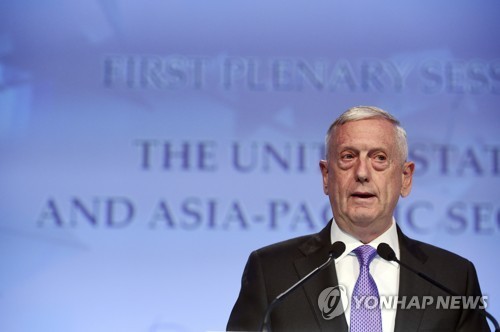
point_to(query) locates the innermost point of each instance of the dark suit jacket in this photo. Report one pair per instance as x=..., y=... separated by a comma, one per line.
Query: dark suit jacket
x=271, y=270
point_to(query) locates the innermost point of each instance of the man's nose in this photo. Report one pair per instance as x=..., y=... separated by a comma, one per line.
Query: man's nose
x=362, y=171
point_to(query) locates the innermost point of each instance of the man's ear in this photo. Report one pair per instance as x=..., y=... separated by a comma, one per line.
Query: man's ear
x=323, y=165
x=408, y=169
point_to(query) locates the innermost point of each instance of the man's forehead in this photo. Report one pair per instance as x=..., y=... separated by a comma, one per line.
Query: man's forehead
x=376, y=128
x=367, y=132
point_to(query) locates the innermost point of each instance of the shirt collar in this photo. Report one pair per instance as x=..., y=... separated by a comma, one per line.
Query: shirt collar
x=390, y=237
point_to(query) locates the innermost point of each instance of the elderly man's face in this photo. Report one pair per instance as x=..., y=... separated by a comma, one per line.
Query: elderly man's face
x=364, y=176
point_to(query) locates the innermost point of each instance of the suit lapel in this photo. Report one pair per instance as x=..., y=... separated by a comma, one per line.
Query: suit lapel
x=316, y=253
x=410, y=284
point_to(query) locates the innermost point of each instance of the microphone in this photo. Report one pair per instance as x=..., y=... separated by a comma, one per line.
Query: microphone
x=335, y=251
x=385, y=251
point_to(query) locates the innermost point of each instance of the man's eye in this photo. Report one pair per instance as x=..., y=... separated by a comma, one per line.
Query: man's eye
x=380, y=157
x=347, y=156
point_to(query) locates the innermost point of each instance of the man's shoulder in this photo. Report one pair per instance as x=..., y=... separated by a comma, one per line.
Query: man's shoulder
x=433, y=254
x=293, y=248
x=289, y=247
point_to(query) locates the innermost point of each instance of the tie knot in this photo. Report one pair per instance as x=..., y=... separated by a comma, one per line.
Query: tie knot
x=365, y=254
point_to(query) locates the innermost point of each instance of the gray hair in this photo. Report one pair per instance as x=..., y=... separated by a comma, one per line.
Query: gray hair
x=370, y=112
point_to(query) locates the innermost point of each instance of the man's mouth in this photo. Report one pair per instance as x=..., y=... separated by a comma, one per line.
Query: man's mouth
x=363, y=195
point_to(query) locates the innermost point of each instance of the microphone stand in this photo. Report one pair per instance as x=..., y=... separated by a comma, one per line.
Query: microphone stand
x=447, y=290
x=265, y=323
x=386, y=252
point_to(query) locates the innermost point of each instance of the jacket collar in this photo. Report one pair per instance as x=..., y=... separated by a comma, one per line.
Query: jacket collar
x=315, y=252
x=411, y=284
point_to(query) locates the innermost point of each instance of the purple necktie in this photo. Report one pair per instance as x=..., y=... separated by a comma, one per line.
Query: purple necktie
x=365, y=314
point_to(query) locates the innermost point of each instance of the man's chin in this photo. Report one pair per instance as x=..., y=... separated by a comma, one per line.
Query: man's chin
x=363, y=219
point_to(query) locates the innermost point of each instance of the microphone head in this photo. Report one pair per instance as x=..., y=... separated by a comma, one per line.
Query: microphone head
x=337, y=249
x=385, y=251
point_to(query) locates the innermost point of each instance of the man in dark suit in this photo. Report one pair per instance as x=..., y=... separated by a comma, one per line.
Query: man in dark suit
x=364, y=174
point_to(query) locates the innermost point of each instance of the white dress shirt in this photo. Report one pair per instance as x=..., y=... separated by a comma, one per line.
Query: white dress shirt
x=385, y=274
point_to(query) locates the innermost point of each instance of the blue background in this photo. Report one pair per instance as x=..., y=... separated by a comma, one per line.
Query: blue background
x=146, y=147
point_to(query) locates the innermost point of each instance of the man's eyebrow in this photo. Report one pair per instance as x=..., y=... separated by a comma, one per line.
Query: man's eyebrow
x=347, y=147
x=341, y=147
